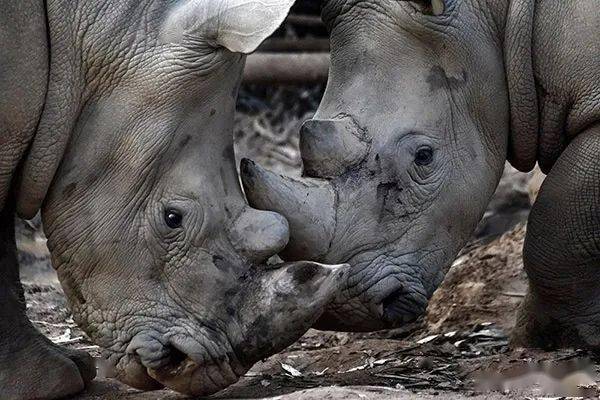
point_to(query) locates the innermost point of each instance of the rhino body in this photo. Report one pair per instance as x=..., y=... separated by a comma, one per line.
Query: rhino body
x=116, y=122
x=425, y=102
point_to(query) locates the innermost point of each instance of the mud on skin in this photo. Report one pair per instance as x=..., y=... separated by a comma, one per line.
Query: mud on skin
x=130, y=159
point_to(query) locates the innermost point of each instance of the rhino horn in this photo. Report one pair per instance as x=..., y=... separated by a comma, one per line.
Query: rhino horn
x=332, y=146
x=279, y=305
x=308, y=205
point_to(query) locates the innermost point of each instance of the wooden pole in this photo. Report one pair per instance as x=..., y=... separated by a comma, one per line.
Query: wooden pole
x=286, y=68
x=285, y=45
x=305, y=20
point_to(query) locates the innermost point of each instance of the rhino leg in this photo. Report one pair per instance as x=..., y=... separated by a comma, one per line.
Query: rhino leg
x=31, y=367
x=562, y=253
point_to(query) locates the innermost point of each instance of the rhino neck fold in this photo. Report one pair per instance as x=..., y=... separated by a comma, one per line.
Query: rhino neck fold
x=523, y=99
x=24, y=51
x=61, y=107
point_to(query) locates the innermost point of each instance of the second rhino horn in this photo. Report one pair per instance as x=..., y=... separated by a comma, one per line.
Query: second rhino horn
x=330, y=147
x=307, y=204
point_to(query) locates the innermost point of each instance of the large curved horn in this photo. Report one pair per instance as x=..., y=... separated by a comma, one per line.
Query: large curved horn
x=329, y=147
x=308, y=205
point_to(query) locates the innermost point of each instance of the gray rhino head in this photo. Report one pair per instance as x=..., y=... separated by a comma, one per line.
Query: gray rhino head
x=402, y=156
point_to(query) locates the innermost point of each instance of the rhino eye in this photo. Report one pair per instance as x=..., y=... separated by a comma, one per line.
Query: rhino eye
x=173, y=218
x=424, y=156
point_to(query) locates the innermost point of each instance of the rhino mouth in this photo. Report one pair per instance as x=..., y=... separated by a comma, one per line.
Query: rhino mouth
x=180, y=363
x=379, y=294
x=195, y=372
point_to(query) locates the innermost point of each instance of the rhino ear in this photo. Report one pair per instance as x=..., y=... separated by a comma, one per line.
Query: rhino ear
x=245, y=24
x=237, y=25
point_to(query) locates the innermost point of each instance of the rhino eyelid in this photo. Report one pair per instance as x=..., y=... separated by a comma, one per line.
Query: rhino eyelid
x=407, y=135
x=415, y=140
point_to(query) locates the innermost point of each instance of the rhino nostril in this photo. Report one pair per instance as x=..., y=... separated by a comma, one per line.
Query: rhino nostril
x=171, y=360
x=401, y=308
x=176, y=356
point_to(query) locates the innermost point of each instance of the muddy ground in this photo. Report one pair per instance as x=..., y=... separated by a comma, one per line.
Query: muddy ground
x=459, y=350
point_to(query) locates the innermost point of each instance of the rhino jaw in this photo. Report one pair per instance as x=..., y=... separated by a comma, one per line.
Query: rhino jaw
x=308, y=205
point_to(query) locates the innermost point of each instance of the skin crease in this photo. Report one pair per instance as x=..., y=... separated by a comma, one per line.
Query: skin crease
x=160, y=256
x=458, y=84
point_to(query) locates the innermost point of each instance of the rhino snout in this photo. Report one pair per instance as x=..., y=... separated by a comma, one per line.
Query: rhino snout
x=274, y=307
x=197, y=366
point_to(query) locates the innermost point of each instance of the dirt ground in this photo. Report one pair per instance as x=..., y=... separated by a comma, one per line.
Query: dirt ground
x=459, y=350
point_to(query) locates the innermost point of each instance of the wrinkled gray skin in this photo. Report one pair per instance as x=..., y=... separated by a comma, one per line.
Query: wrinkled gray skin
x=109, y=126
x=424, y=102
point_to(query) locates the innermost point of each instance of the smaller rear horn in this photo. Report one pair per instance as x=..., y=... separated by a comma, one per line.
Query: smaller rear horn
x=332, y=146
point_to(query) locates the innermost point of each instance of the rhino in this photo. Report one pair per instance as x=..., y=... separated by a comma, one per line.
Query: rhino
x=116, y=122
x=425, y=102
